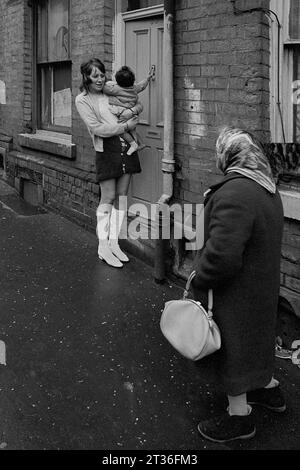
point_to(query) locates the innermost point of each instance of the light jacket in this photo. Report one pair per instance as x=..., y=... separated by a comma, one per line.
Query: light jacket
x=94, y=111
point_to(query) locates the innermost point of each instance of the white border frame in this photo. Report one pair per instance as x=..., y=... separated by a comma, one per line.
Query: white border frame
x=119, y=28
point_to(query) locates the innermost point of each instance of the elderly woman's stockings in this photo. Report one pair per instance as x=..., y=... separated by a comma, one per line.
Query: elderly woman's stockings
x=238, y=405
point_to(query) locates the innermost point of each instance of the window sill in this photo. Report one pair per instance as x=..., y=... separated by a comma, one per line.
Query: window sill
x=50, y=142
x=291, y=204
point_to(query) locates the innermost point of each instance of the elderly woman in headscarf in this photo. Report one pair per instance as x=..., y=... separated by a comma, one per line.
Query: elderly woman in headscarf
x=240, y=261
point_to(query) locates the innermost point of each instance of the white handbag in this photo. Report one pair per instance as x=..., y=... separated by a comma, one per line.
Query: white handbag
x=189, y=327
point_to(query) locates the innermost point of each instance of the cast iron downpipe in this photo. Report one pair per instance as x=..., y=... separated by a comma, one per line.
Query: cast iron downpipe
x=168, y=162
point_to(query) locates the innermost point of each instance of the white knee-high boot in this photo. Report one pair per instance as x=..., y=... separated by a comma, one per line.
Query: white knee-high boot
x=116, y=220
x=102, y=230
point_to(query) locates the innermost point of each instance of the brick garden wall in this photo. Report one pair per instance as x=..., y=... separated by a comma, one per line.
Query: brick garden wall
x=69, y=191
x=290, y=264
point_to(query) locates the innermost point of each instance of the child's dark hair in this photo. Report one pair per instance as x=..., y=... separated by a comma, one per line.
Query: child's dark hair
x=125, y=77
x=86, y=70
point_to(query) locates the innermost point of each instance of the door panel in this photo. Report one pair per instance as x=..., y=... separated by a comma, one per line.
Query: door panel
x=141, y=47
x=144, y=48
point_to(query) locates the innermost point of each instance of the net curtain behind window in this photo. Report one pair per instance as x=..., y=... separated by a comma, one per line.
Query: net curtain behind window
x=130, y=5
x=294, y=20
x=53, y=30
x=54, y=65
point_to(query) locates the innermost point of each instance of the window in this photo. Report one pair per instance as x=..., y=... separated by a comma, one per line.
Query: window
x=285, y=72
x=296, y=101
x=130, y=5
x=53, y=65
x=294, y=20
x=293, y=42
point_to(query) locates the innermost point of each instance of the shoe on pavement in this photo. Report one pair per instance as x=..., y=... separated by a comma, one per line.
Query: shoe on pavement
x=116, y=251
x=226, y=428
x=105, y=254
x=271, y=398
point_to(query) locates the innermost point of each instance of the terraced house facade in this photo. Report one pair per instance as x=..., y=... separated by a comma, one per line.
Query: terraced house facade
x=217, y=62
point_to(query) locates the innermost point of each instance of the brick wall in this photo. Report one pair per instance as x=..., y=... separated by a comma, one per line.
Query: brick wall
x=27, y=79
x=221, y=78
x=14, y=64
x=290, y=264
x=1, y=44
x=291, y=256
x=69, y=191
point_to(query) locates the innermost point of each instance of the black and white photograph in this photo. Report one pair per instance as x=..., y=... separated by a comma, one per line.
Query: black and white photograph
x=149, y=228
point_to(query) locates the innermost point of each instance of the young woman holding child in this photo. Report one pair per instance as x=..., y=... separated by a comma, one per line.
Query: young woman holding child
x=113, y=166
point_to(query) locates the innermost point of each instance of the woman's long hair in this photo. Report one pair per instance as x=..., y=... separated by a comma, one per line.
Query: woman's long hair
x=239, y=151
x=86, y=70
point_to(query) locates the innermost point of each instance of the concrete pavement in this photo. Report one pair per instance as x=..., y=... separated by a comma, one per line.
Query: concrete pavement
x=87, y=366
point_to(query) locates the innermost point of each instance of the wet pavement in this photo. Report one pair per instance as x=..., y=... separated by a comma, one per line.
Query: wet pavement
x=87, y=366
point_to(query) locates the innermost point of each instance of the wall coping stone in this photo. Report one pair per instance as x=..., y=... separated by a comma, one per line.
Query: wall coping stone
x=291, y=204
x=292, y=297
x=50, y=142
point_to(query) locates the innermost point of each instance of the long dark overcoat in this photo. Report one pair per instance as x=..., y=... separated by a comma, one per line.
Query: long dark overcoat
x=240, y=261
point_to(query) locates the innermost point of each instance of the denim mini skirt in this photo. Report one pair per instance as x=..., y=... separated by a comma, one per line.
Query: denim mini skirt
x=114, y=162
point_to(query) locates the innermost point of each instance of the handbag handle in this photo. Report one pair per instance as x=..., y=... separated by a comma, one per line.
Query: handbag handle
x=210, y=293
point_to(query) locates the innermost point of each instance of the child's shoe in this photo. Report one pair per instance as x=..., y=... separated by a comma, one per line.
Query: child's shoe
x=133, y=148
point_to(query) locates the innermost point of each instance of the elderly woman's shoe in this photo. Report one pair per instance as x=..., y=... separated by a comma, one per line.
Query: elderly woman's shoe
x=226, y=428
x=271, y=398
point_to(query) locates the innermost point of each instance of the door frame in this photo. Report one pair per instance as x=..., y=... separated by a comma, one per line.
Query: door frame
x=119, y=32
x=119, y=27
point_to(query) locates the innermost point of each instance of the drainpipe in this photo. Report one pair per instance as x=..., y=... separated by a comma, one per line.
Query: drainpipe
x=168, y=162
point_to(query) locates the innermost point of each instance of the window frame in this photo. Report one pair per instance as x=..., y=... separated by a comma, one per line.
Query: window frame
x=286, y=50
x=37, y=81
x=296, y=69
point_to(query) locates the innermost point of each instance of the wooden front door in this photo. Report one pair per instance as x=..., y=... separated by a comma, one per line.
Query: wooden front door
x=144, y=48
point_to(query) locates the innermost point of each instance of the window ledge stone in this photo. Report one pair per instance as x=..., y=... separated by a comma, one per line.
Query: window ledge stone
x=291, y=204
x=49, y=142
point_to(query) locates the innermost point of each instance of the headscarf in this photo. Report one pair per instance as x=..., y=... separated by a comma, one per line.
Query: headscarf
x=238, y=151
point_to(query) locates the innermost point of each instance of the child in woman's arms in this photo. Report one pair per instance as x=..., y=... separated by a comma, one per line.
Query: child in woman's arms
x=123, y=95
